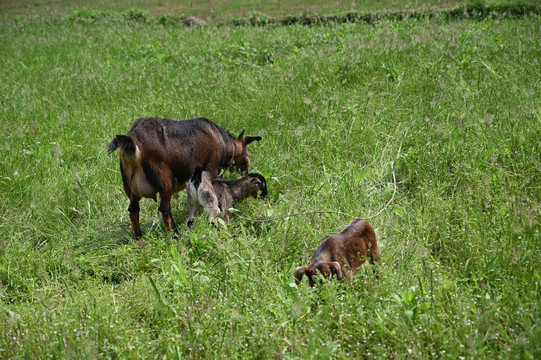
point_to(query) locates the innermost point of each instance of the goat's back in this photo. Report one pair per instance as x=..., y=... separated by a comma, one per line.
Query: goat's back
x=182, y=144
x=166, y=133
x=349, y=245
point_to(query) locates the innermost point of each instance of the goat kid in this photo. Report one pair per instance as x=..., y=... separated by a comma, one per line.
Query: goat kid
x=218, y=196
x=160, y=156
x=340, y=254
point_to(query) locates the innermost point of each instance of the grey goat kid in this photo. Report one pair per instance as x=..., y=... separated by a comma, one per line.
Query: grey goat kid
x=218, y=196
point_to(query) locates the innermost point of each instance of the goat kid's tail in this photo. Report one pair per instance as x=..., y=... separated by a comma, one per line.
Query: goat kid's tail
x=124, y=142
x=196, y=177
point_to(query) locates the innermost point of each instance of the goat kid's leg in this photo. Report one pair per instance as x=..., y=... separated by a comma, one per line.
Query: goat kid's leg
x=134, y=215
x=375, y=253
x=165, y=209
x=193, y=208
x=214, y=211
x=226, y=214
x=336, y=269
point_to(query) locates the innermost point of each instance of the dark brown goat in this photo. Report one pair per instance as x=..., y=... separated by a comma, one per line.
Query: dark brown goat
x=160, y=156
x=218, y=196
x=341, y=254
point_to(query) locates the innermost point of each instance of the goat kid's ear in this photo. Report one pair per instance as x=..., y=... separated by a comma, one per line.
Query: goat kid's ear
x=299, y=273
x=241, y=135
x=249, y=139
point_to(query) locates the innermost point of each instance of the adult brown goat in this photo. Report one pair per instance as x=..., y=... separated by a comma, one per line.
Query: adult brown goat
x=218, y=196
x=340, y=254
x=160, y=156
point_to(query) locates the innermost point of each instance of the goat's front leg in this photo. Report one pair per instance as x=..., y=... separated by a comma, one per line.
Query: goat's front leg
x=165, y=209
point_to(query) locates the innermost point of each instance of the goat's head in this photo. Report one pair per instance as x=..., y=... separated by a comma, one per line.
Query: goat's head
x=327, y=269
x=241, y=158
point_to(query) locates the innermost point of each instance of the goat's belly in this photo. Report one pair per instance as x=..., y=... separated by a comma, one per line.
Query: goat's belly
x=141, y=187
x=179, y=186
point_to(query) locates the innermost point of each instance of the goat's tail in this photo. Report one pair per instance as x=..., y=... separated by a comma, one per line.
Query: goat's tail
x=196, y=177
x=125, y=142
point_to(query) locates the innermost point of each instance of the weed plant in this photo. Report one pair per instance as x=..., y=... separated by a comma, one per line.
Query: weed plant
x=451, y=108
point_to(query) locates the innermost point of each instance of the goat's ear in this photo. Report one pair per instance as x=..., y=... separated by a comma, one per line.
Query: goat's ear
x=249, y=139
x=299, y=273
x=241, y=135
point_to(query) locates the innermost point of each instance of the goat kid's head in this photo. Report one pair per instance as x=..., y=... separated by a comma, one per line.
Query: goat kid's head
x=327, y=269
x=241, y=157
x=254, y=184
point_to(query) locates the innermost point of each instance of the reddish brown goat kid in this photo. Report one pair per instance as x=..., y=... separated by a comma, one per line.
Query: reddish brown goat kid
x=160, y=156
x=218, y=196
x=340, y=254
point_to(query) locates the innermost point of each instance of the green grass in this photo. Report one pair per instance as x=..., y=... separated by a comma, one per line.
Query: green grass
x=452, y=107
x=220, y=9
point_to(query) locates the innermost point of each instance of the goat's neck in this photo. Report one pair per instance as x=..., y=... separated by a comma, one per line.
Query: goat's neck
x=231, y=156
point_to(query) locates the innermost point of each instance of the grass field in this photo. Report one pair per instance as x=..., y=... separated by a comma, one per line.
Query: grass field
x=449, y=108
x=220, y=9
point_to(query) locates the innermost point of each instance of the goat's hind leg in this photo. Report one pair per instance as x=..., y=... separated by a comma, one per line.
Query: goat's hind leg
x=134, y=215
x=134, y=208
